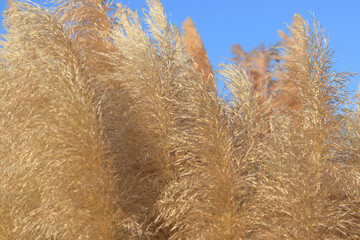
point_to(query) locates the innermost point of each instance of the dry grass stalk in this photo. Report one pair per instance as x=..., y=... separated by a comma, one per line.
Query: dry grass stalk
x=194, y=47
x=108, y=132
x=256, y=63
x=257, y=66
x=276, y=89
x=301, y=190
x=57, y=179
x=209, y=198
x=152, y=76
x=88, y=23
x=287, y=97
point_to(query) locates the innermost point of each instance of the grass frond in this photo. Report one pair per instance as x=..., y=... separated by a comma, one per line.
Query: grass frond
x=194, y=47
x=107, y=131
x=57, y=176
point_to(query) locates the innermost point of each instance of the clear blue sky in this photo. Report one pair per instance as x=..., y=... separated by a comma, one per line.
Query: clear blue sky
x=250, y=23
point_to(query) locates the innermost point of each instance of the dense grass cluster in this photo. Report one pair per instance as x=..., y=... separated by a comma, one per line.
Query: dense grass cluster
x=112, y=128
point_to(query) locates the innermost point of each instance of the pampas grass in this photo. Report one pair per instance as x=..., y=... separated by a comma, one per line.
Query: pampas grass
x=57, y=175
x=300, y=193
x=194, y=47
x=108, y=130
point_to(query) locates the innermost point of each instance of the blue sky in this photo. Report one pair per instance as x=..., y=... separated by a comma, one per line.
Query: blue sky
x=250, y=23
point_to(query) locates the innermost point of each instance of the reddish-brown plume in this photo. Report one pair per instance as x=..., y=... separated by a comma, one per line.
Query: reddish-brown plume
x=194, y=47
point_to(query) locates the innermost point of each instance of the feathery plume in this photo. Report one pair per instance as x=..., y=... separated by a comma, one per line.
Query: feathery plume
x=287, y=97
x=107, y=131
x=57, y=179
x=151, y=77
x=88, y=23
x=194, y=47
x=299, y=194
